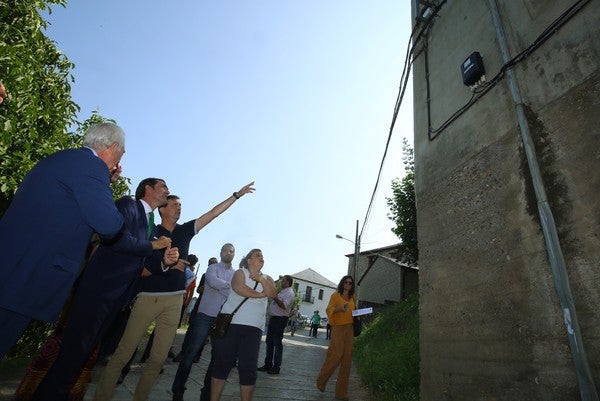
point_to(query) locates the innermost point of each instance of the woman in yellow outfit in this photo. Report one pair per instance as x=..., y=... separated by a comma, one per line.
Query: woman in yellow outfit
x=339, y=310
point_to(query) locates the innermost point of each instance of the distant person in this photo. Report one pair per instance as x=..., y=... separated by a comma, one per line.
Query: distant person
x=339, y=353
x=328, y=331
x=46, y=230
x=107, y=284
x=294, y=317
x=193, y=312
x=280, y=311
x=216, y=291
x=3, y=94
x=190, y=284
x=241, y=344
x=159, y=299
x=315, y=320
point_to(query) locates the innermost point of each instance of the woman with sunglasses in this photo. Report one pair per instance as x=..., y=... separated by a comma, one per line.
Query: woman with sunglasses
x=339, y=310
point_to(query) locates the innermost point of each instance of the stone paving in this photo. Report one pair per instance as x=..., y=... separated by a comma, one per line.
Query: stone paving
x=302, y=359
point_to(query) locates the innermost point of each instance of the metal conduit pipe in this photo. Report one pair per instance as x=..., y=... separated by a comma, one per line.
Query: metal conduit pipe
x=587, y=387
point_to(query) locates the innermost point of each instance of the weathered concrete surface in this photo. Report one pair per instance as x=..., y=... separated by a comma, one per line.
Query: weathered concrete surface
x=491, y=323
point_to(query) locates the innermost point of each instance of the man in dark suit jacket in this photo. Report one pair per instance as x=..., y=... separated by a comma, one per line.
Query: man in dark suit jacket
x=108, y=283
x=45, y=232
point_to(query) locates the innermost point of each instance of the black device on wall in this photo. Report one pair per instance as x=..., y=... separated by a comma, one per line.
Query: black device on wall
x=472, y=69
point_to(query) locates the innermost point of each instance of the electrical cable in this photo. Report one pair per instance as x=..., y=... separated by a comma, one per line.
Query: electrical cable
x=408, y=61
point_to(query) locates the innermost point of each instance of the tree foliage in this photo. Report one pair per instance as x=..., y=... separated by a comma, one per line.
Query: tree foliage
x=36, y=118
x=403, y=209
x=37, y=76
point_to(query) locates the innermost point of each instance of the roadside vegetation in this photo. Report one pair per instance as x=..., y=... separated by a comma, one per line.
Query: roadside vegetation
x=386, y=353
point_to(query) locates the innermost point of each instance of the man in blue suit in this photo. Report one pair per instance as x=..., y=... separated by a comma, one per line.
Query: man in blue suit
x=45, y=232
x=108, y=283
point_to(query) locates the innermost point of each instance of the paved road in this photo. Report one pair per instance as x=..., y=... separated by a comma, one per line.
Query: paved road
x=302, y=359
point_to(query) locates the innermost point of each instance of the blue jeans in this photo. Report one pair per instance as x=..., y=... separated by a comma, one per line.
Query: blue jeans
x=200, y=327
x=274, y=341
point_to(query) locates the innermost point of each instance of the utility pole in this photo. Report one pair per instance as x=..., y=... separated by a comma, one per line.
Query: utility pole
x=356, y=256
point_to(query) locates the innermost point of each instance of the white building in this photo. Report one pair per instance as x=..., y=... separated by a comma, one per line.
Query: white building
x=314, y=291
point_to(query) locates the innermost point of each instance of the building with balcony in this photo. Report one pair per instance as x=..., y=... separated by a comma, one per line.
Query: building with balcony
x=314, y=291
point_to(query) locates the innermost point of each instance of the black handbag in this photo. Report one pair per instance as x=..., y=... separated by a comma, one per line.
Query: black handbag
x=221, y=324
x=223, y=320
x=357, y=326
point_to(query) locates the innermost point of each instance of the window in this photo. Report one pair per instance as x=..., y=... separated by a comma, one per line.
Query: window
x=320, y=294
x=308, y=295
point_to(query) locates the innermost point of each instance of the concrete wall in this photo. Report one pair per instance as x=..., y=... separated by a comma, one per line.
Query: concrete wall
x=378, y=279
x=387, y=282
x=491, y=324
x=382, y=283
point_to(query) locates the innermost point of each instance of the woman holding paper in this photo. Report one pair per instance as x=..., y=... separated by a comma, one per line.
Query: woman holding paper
x=339, y=310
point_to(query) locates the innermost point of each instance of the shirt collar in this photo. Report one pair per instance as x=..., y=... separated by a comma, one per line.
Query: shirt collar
x=147, y=207
x=93, y=151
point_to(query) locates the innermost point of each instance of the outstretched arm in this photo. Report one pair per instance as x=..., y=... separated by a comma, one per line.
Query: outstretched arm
x=209, y=216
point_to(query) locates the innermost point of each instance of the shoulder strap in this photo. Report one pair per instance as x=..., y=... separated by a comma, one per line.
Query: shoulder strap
x=244, y=300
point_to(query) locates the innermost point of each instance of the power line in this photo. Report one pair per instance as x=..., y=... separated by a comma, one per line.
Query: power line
x=402, y=89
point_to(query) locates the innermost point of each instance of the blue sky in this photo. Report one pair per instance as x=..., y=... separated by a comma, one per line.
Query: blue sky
x=297, y=96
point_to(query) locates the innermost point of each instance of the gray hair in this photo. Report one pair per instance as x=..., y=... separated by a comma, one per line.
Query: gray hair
x=100, y=136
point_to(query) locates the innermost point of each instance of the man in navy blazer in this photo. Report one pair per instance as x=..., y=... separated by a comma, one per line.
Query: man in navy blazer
x=45, y=231
x=108, y=284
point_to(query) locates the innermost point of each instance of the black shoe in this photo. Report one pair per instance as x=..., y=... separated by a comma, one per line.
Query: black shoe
x=177, y=396
x=121, y=379
x=264, y=368
x=273, y=371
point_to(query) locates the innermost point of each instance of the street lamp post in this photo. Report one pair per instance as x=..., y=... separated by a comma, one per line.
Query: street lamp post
x=356, y=243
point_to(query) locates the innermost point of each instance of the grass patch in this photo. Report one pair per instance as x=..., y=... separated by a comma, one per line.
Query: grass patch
x=387, y=353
